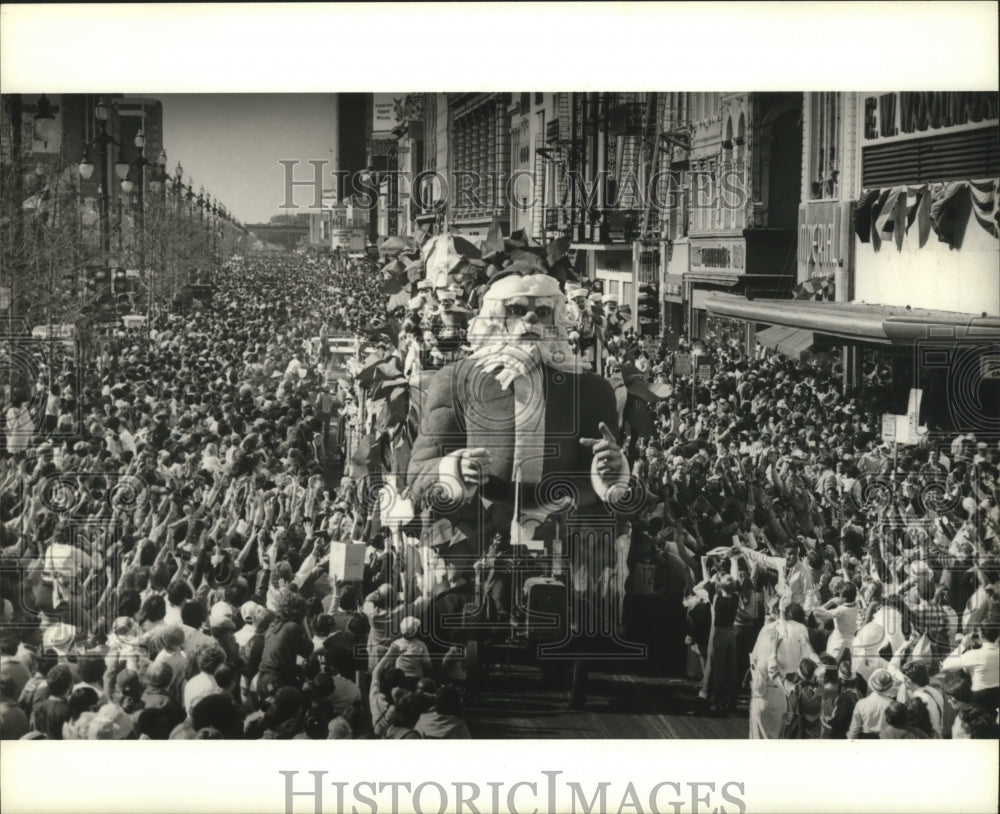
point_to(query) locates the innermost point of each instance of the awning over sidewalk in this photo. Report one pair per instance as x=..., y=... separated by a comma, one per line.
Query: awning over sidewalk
x=791, y=342
x=885, y=324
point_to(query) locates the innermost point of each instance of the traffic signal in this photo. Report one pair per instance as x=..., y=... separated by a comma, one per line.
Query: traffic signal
x=648, y=306
x=68, y=282
x=97, y=280
x=120, y=281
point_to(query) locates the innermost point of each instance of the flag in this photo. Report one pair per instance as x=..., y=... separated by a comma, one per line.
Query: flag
x=493, y=249
x=379, y=370
x=556, y=250
x=944, y=209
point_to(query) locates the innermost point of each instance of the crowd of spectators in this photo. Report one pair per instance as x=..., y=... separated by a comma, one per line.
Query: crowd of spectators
x=168, y=510
x=821, y=566
x=166, y=522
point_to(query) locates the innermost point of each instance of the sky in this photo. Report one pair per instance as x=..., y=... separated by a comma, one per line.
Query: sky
x=231, y=143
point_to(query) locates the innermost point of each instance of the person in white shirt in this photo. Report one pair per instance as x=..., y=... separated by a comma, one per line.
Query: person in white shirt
x=248, y=612
x=795, y=581
x=210, y=657
x=768, y=702
x=868, y=719
x=793, y=642
x=294, y=366
x=845, y=613
x=983, y=666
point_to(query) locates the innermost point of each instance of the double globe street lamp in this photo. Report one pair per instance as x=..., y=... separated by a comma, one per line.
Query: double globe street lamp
x=102, y=141
x=137, y=174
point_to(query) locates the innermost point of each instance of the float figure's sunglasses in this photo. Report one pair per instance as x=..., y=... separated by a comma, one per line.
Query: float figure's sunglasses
x=541, y=311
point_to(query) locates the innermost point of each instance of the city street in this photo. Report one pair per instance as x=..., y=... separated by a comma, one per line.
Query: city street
x=516, y=704
x=605, y=445
x=313, y=452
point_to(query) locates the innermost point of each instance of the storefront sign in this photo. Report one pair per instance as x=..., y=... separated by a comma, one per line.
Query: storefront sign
x=383, y=113
x=903, y=114
x=349, y=239
x=611, y=265
x=337, y=217
x=718, y=255
x=889, y=428
x=673, y=287
x=823, y=244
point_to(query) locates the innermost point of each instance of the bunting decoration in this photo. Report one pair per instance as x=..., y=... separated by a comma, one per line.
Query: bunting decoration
x=887, y=214
x=985, y=207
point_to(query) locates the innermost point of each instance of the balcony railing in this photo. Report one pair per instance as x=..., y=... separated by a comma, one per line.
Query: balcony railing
x=626, y=119
x=623, y=224
x=552, y=132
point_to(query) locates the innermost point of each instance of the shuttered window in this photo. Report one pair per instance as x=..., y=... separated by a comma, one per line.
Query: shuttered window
x=950, y=157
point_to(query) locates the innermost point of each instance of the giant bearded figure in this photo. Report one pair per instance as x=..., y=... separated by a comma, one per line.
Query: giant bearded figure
x=520, y=409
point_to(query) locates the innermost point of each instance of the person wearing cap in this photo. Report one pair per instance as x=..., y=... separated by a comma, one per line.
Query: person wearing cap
x=425, y=289
x=868, y=719
x=448, y=323
x=408, y=653
x=614, y=319
x=584, y=322
x=248, y=614
x=384, y=612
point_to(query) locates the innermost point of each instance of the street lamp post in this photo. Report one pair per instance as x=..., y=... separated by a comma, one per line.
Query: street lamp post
x=157, y=184
x=103, y=140
x=138, y=169
x=697, y=349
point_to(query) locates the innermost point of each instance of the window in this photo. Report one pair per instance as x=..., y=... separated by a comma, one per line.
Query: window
x=626, y=298
x=475, y=152
x=525, y=102
x=824, y=144
x=649, y=266
x=539, y=98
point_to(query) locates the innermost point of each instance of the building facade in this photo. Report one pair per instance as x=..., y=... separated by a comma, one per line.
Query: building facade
x=898, y=256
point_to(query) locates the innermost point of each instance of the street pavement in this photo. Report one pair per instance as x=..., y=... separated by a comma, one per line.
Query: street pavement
x=515, y=703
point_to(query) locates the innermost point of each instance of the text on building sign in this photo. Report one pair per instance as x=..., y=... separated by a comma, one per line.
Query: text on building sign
x=904, y=112
x=820, y=234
